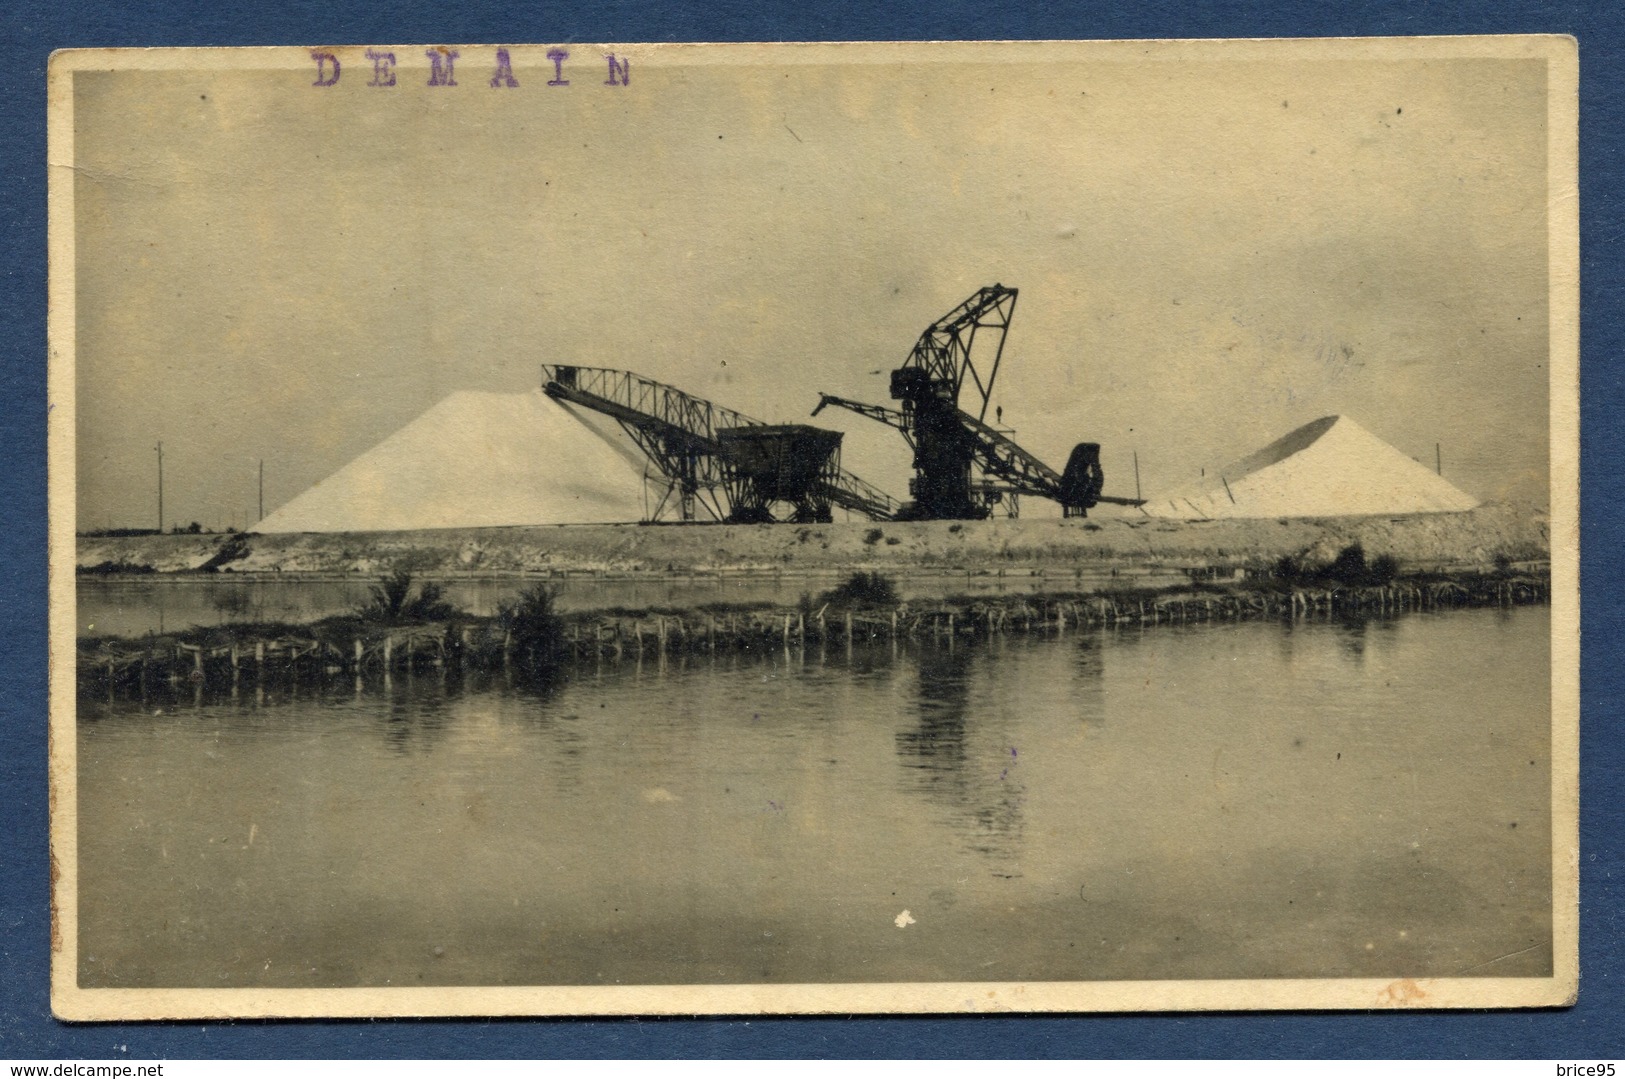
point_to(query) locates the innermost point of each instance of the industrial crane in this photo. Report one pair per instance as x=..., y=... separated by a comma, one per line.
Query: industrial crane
x=963, y=466
x=730, y=466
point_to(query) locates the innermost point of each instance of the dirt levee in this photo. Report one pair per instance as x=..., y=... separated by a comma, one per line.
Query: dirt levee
x=1475, y=537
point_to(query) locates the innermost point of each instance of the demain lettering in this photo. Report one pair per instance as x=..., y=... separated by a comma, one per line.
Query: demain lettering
x=443, y=68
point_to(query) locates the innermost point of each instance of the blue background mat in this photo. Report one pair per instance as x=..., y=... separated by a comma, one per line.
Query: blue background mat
x=1594, y=1028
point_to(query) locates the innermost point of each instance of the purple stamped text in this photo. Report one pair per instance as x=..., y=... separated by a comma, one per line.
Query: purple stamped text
x=504, y=75
x=383, y=68
x=442, y=68
x=558, y=56
x=324, y=58
x=442, y=58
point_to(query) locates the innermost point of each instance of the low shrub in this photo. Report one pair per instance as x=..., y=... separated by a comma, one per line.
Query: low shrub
x=533, y=624
x=1350, y=569
x=393, y=604
x=103, y=569
x=863, y=590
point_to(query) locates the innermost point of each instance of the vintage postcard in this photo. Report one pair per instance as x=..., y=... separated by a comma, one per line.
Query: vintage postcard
x=814, y=528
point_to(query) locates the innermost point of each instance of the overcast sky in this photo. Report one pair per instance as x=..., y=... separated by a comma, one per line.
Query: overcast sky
x=1209, y=253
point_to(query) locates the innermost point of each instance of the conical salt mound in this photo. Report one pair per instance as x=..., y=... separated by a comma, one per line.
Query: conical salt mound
x=1332, y=467
x=478, y=459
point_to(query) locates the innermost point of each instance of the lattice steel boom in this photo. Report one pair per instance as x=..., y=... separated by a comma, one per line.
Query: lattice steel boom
x=963, y=465
x=729, y=476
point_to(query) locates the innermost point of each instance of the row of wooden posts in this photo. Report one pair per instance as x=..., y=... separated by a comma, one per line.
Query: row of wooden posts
x=483, y=643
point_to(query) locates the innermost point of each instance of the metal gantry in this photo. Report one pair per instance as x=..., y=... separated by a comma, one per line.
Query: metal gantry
x=943, y=356
x=767, y=468
x=964, y=466
x=713, y=459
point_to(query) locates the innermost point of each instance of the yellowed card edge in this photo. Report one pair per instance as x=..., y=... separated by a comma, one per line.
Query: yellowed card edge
x=70, y=1002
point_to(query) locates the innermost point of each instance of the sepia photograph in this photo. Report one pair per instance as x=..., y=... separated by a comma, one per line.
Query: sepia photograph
x=814, y=528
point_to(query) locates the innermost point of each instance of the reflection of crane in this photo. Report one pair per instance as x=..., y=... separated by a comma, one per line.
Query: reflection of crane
x=950, y=443
x=731, y=466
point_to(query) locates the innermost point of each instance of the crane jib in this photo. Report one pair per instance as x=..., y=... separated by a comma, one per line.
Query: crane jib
x=963, y=466
x=713, y=459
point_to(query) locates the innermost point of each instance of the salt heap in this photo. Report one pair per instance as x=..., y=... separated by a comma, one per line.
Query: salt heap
x=1331, y=467
x=479, y=459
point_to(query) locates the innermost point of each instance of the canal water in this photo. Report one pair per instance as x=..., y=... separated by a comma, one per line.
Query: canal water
x=133, y=606
x=1323, y=799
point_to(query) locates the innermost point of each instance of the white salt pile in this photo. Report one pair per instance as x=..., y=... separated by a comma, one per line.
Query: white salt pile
x=1331, y=467
x=479, y=459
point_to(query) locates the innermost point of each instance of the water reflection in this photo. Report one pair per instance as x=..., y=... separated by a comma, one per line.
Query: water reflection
x=415, y=714
x=936, y=744
x=1243, y=800
x=1089, y=663
x=1357, y=633
x=953, y=758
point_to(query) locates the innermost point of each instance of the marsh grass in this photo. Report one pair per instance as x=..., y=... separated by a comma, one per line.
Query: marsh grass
x=393, y=604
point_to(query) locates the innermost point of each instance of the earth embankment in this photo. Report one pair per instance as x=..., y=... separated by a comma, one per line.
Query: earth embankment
x=1477, y=537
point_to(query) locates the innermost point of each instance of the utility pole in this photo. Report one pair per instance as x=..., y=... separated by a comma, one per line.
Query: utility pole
x=1136, y=475
x=1438, y=460
x=262, y=492
x=160, y=488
